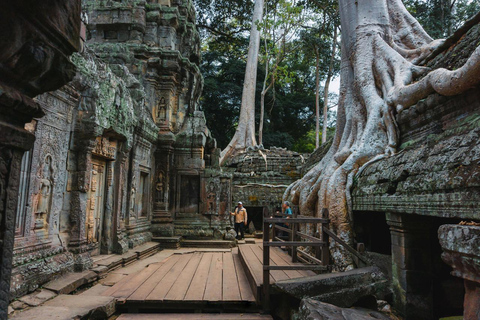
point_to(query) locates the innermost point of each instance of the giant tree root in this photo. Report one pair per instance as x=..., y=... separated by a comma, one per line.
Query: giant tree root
x=381, y=42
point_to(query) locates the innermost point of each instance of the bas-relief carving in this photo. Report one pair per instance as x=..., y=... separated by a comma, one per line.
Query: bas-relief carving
x=133, y=194
x=217, y=190
x=105, y=147
x=43, y=200
x=160, y=187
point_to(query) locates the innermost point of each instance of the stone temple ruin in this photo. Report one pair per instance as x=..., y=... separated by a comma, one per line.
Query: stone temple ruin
x=104, y=149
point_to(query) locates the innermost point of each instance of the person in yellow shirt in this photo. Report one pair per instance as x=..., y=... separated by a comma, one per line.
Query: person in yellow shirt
x=241, y=219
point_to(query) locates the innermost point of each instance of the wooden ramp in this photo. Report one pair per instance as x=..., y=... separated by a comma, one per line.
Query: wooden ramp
x=199, y=281
x=252, y=259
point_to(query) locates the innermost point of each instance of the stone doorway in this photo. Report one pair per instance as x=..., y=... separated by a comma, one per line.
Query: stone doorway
x=96, y=203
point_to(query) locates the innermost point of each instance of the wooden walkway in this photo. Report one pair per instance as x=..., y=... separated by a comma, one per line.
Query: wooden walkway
x=195, y=281
x=252, y=258
x=203, y=282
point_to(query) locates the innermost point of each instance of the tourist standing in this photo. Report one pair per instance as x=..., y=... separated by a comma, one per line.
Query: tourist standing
x=240, y=220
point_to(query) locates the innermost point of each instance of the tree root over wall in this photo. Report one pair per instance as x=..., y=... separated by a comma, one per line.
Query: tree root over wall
x=381, y=47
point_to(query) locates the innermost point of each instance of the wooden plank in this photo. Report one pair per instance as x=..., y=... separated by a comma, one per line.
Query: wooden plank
x=197, y=287
x=213, y=289
x=116, y=286
x=195, y=316
x=293, y=243
x=275, y=256
x=245, y=290
x=136, y=281
x=288, y=261
x=276, y=275
x=161, y=290
x=143, y=291
x=302, y=267
x=231, y=290
x=180, y=287
x=253, y=263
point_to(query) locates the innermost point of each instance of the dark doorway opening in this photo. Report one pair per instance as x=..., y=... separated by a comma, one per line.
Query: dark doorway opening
x=371, y=228
x=255, y=214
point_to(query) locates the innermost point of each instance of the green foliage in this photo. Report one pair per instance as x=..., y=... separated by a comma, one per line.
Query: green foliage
x=306, y=144
x=290, y=103
x=440, y=18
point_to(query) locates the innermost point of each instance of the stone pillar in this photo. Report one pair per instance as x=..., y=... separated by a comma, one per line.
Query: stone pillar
x=119, y=236
x=78, y=203
x=411, y=266
x=461, y=246
x=162, y=221
x=35, y=42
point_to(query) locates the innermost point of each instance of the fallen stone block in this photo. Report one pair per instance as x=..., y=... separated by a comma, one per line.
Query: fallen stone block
x=71, y=281
x=38, y=297
x=67, y=307
x=315, y=310
x=342, y=289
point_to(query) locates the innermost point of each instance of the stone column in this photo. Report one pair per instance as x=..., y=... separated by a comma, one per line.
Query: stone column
x=162, y=221
x=35, y=42
x=461, y=246
x=411, y=265
x=78, y=203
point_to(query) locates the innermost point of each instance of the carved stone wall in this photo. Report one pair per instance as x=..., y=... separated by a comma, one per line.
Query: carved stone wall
x=36, y=40
x=159, y=44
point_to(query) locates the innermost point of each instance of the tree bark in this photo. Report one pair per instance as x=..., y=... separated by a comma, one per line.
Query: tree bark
x=381, y=42
x=245, y=134
x=327, y=85
x=317, y=99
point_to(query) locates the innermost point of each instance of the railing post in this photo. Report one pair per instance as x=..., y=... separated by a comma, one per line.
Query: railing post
x=326, y=239
x=293, y=237
x=266, y=264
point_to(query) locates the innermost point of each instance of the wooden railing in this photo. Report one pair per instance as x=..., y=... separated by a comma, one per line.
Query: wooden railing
x=320, y=261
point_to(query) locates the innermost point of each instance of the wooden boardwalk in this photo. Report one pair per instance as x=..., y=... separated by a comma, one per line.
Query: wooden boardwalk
x=202, y=282
x=195, y=281
x=252, y=258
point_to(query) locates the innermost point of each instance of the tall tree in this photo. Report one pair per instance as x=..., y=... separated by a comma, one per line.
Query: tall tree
x=245, y=134
x=330, y=74
x=280, y=25
x=381, y=47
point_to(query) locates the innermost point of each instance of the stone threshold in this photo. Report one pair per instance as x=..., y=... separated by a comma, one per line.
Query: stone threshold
x=55, y=295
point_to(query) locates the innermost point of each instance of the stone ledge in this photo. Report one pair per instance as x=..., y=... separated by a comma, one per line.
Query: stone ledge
x=71, y=282
x=168, y=242
x=66, y=307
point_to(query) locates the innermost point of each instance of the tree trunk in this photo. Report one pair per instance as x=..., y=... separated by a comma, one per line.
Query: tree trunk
x=327, y=85
x=381, y=42
x=245, y=134
x=262, y=113
x=317, y=99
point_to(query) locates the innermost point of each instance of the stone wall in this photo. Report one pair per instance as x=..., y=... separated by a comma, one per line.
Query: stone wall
x=260, y=177
x=36, y=42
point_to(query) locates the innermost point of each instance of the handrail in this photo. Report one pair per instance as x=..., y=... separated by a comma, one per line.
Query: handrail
x=320, y=262
x=346, y=246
